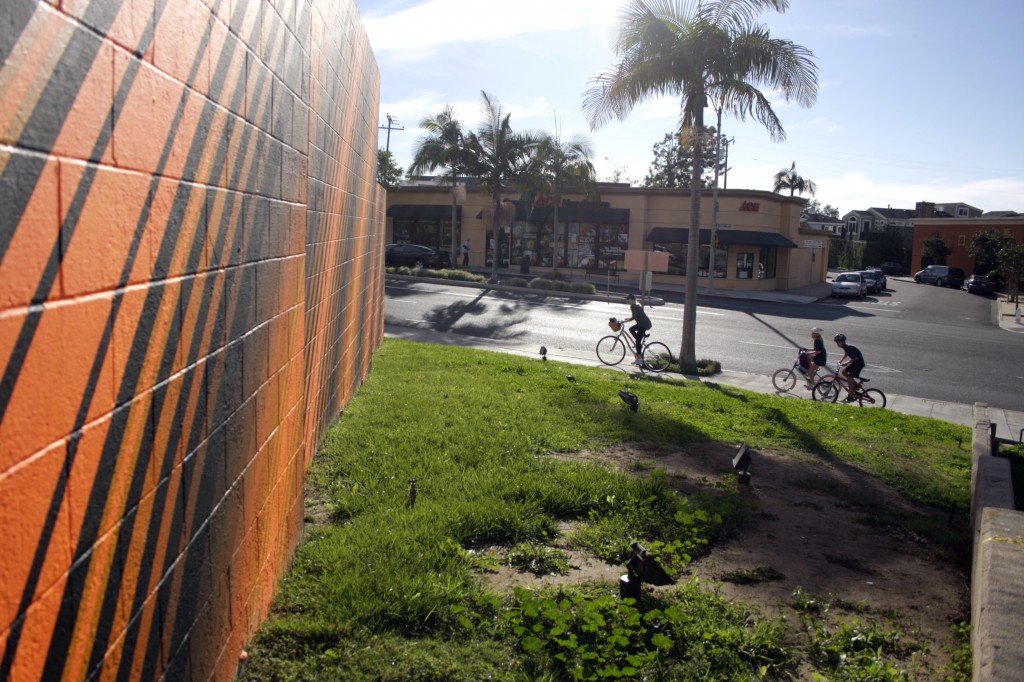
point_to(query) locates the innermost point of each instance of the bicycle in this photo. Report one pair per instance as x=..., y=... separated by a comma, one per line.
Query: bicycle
x=611, y=349
x=785, y=379
x=828, y=391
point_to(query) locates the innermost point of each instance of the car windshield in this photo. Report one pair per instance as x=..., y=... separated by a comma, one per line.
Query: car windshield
x=848, y=278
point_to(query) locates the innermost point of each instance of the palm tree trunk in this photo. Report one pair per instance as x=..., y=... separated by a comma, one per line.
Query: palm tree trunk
x=688, y=351
x=495, y=220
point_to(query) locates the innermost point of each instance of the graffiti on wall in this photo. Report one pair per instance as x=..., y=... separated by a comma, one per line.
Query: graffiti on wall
x=190, y=289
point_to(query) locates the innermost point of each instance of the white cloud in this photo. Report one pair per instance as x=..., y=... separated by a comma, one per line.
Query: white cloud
x=435, y=23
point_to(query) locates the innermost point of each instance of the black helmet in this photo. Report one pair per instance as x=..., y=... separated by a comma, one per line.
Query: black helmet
x=840, y=337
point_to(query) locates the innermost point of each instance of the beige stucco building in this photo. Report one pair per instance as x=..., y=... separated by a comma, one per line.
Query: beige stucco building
x=760, y=244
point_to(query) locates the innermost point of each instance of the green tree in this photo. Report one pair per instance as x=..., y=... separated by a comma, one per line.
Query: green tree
x=935, y=251
x=567, y=163
x=814, y=207
x=501, y=157
x=985, y=248
x=673, y=161
x=388, y=174
x=1011, y=267
x=443, y=146
x=706, y=53
x=788, y=178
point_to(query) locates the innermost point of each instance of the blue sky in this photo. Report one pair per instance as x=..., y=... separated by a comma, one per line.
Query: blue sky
x=919, y=100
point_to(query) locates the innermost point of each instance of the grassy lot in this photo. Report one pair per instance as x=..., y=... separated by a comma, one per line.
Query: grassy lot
x=385, y=587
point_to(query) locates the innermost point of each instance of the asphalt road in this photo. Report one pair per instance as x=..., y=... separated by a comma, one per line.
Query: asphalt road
x=918, y=340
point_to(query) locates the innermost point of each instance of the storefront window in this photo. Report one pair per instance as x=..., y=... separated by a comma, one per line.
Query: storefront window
x=720, y=263
x=573, y=245
x=767, y=261
x=744, y=266
x=437, y=234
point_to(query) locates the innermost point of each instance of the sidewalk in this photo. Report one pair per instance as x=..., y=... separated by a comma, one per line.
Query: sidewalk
x=1009, y=424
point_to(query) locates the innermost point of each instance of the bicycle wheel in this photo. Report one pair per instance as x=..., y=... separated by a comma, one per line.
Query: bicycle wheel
x=611, y=350
x=784, y=380
x=872, y=397
x=657, y=357
x=826, y=391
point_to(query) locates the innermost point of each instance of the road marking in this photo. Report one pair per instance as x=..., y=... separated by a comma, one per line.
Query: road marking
x=766, y=345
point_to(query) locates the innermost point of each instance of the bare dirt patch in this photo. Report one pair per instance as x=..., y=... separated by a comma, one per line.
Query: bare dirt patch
x=819, y=526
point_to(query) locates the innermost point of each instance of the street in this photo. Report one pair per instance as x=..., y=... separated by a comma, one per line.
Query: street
x=917, y=340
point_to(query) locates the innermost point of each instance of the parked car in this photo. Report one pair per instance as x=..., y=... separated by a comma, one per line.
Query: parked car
x=979, y=284
x=849, y=284
x=871, y=284
x=940, y=276
x=891, y=267
x=415, y=256
x=883, y=281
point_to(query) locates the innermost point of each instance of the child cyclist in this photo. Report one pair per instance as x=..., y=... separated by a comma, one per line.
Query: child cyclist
x=640, y=329
x=851, y=363
x=813, y=358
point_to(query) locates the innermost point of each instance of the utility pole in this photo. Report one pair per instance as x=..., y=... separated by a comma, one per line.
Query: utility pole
x=725, y=172
x=392, y=125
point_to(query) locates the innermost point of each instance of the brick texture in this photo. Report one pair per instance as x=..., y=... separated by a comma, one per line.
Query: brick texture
x=186, y=302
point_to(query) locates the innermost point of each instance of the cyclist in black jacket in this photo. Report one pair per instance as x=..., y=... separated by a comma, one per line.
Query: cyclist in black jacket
x=640, y=329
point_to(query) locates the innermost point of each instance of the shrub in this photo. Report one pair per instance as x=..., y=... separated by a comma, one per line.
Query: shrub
x=582, y=288
x=515, y=282
x=548, y=284
x=704, y=368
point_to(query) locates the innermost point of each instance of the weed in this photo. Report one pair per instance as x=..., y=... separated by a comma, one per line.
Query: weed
x=960, y=668
x=538, y=559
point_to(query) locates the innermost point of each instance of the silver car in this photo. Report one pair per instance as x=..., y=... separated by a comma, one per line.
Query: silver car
x=849, y=284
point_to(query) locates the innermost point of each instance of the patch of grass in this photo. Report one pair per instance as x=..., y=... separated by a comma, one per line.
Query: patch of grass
x=383, y=590
x=760, y=574
x=1015, y=453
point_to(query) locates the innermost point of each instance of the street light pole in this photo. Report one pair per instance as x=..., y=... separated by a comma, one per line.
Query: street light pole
x=714, y=207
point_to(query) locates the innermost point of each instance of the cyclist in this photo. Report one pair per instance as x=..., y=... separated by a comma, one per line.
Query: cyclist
x=813, y=358
x=851, y=363
x=640, y=329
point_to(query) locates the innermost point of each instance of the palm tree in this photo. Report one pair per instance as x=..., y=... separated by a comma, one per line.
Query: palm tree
x=787, y=178
x=706, y=53
x=565, y=163
x=500, y=157
x=444, y=146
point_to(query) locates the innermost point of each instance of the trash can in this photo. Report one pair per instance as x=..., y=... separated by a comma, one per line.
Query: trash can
x=524, y=265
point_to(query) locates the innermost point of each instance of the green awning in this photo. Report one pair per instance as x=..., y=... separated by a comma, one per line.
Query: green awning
x=726, y=237
x=581, y=214
x=424, y=211
x=730, y=237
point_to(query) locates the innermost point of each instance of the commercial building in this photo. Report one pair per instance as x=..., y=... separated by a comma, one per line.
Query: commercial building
x=759, y=244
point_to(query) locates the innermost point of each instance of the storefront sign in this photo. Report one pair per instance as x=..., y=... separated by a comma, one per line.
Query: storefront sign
x=752, y=206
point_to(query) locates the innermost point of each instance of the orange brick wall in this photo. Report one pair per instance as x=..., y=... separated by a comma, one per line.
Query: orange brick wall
x=191, y=288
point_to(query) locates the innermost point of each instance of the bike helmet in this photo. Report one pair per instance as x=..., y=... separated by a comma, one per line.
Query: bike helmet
x=817, y=330
x=839, y=337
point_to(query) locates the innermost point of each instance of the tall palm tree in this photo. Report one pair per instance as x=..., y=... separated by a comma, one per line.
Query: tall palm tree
x=444, y=146
x=706, y=53
x=567, y=163
x=501, y=157
x=788, y=178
